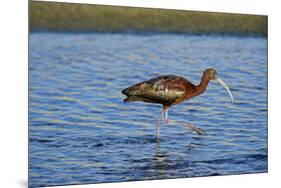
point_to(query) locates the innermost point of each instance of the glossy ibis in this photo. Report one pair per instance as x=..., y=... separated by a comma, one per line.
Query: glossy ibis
x=170, y=90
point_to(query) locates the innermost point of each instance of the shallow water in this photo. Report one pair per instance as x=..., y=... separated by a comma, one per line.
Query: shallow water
x=81, y=131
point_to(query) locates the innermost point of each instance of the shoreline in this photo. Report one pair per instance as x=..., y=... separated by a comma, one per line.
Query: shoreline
x=86, y=18
x=138, y=33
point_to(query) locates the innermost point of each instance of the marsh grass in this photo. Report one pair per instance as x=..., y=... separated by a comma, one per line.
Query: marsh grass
x=51, y=16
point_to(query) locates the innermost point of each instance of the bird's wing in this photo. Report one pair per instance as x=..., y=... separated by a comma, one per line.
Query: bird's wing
x=163, y=89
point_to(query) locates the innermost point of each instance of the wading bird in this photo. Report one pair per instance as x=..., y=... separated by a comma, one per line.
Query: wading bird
x=170, y=90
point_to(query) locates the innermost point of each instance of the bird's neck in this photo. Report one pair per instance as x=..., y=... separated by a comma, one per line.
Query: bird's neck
x=202, y=86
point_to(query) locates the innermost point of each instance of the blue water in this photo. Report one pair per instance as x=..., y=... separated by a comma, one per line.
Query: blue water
x=80, y=131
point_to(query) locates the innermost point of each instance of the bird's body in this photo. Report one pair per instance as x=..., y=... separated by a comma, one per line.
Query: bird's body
x=169, y=90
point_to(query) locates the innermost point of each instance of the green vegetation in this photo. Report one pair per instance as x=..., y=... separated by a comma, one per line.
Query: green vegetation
x=51, y=16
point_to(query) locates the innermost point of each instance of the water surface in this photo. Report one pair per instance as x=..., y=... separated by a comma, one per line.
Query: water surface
x=81, y=131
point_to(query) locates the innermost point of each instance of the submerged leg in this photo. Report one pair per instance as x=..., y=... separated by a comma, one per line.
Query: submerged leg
x=158, y=125
x=166, y=116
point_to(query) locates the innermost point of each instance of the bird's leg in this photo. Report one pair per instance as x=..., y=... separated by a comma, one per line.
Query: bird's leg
x=158, y=125
x=166, y=116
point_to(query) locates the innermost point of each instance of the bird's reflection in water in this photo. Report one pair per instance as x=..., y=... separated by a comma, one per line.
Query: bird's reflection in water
x=161, y=162
x=166, y=161
x=193, y=146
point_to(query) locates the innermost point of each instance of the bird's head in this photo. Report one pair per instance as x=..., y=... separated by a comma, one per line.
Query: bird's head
x=211, y=74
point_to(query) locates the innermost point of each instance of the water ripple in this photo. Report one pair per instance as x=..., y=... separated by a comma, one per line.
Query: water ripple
x=81, y=131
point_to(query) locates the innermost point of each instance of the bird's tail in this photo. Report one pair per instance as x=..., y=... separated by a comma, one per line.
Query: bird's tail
x=133, y=90
x=135, y=93
x=125, y=91
x=131, y=99
x=129, y=93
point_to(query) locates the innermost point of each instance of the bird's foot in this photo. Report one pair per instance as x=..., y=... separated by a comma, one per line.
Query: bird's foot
x=196, y=130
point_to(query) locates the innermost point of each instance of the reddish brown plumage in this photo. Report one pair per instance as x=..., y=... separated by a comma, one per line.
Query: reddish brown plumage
x=167, y=90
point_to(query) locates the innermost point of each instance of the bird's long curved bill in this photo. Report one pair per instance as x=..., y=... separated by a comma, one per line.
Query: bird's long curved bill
x=226, y=87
